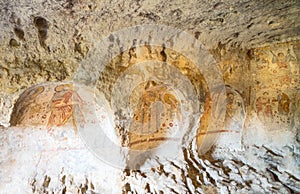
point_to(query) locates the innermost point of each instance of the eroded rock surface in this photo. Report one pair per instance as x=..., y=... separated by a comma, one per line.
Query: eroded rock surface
x=45, y=41
x=256, y=45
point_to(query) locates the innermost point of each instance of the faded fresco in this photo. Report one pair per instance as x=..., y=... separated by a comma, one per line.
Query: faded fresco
x=273, y=108
x=49, y=105
x=29, y=110
x=151, y=89
x=235, y=111
x=156, y=111
x=276, y=81
x=230, y=132
x=62, y=104
x=270, y=90
x=234, y=65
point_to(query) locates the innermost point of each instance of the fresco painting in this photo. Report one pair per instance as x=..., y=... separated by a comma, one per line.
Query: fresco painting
x=272, y=97
x=281, y=65
x=235, y=111
x=29, y=110
x=231, y=131
x=49, y=105
x=156, y=113
x=274, y=108
x=62, y=105
x=275, y=85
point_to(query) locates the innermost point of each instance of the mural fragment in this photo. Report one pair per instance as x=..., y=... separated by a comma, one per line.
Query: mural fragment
x=49, y=104
x=275, y=85
x=156, y=111
x=231, y=134
x=275, y=108
x=62, y=104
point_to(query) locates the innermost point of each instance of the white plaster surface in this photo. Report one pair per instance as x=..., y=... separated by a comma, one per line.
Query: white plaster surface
x=30, y=155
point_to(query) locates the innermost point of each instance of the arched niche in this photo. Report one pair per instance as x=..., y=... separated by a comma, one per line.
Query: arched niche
x=230, y=134
x=47, y=104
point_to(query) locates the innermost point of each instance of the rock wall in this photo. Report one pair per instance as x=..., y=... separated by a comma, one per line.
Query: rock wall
x=256, y=46
x=47, y=40
x=250, y=155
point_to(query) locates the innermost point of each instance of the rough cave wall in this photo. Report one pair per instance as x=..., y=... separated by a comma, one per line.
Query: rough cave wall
x=266, y=160
x=47, y=41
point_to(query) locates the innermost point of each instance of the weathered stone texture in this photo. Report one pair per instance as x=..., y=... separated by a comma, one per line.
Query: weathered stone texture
x=256, y=45
x=46, y=40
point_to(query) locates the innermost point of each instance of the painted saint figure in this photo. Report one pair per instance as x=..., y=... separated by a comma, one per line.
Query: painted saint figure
x=26, y=107
x=62, y=105
x=283, y=104
x=280, y=59
x=154, y=114
x=264, y=108
x=235, y=112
